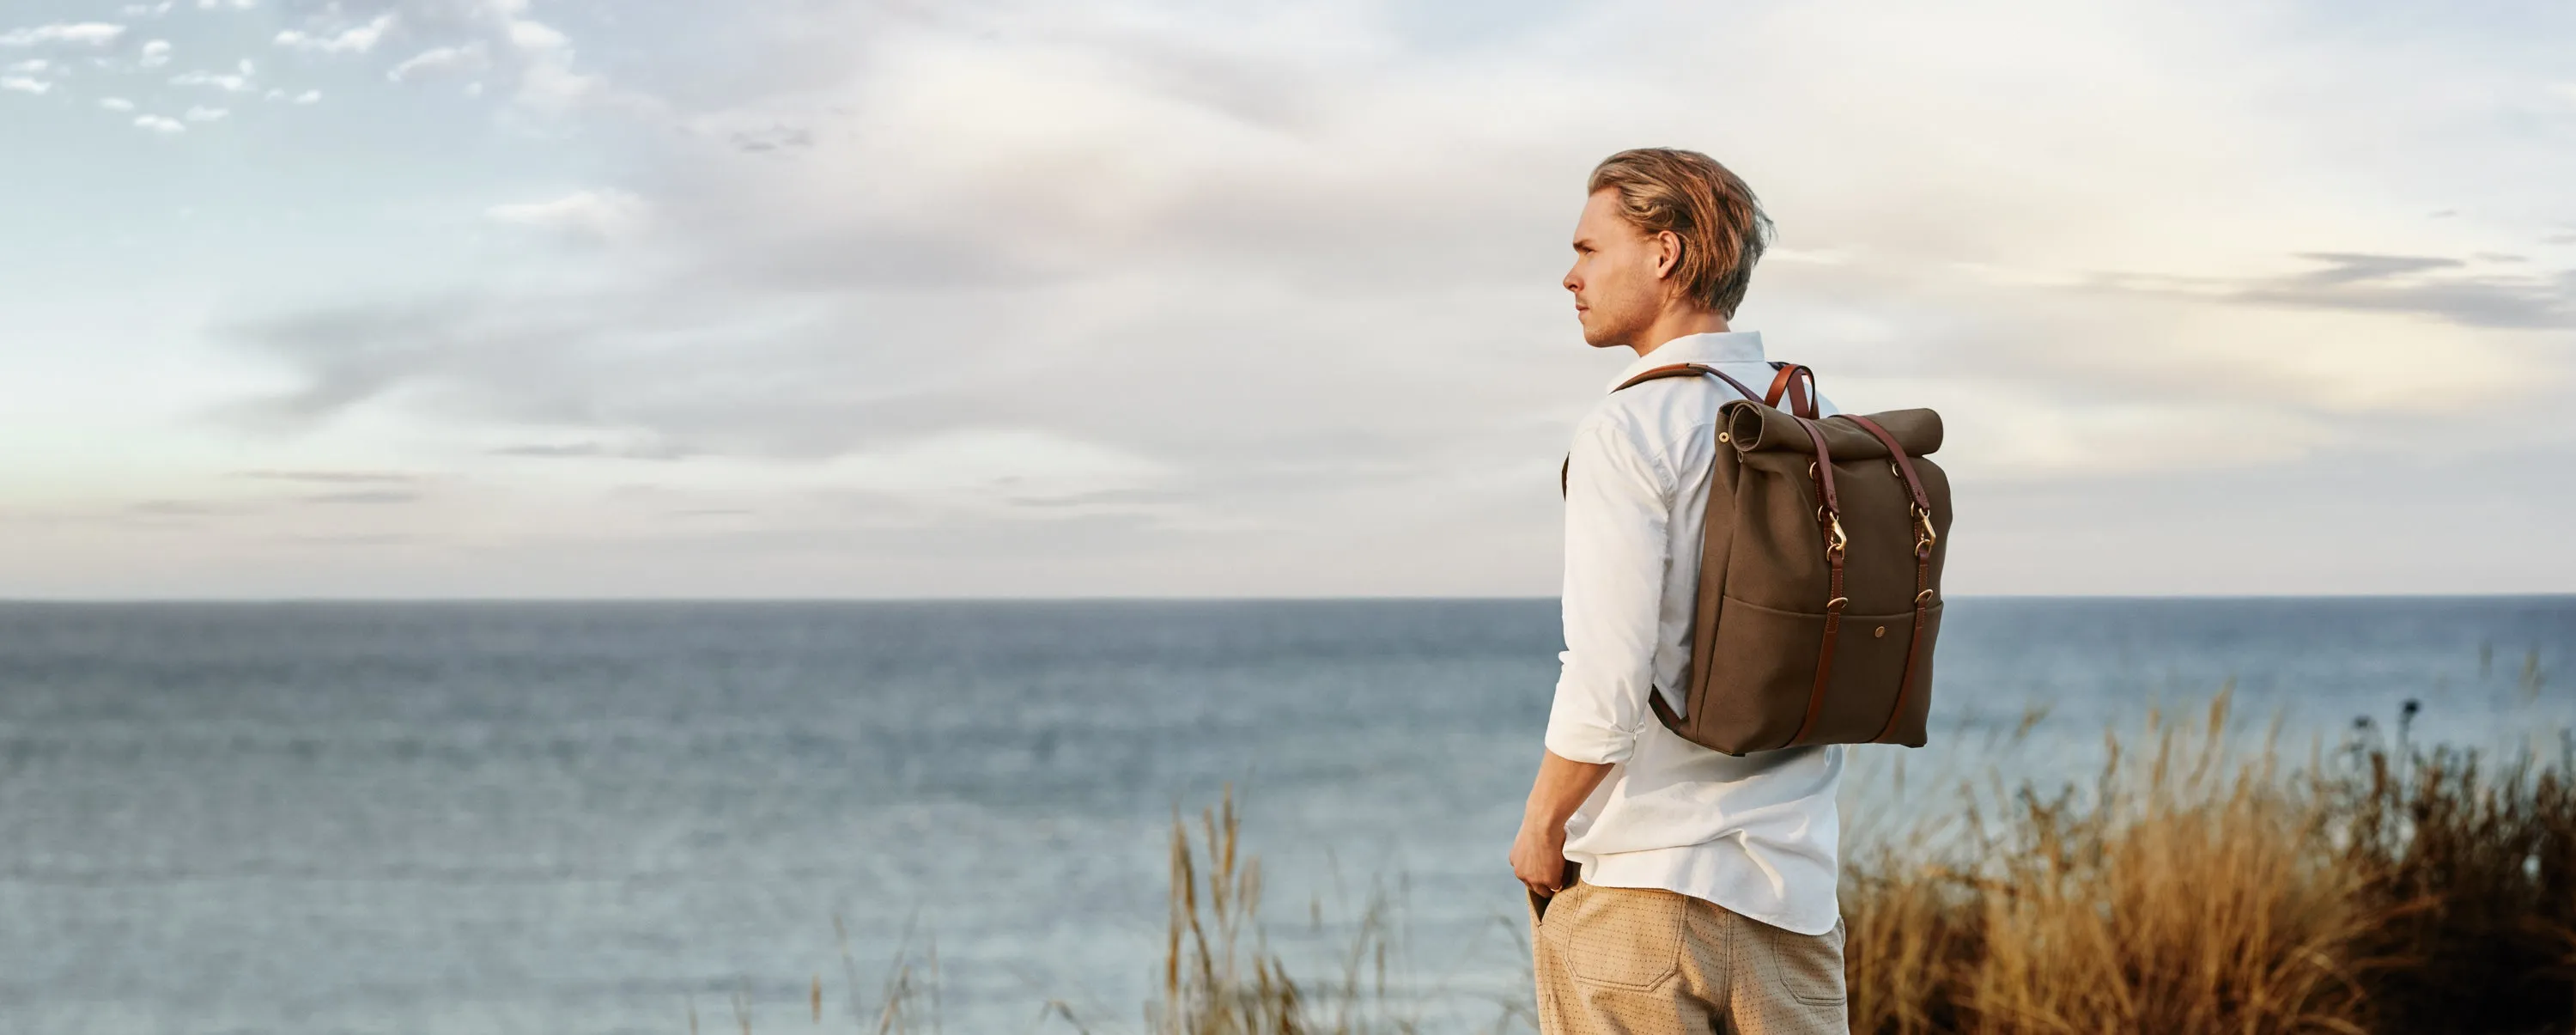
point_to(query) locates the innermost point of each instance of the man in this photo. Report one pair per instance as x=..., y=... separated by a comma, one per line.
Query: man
x=1672, y=888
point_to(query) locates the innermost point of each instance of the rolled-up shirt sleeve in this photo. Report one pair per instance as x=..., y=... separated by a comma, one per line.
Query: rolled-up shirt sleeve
x=1617, y=504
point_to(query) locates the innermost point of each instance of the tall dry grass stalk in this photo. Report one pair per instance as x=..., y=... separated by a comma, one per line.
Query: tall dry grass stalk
x=2182, y=895
x=2200, y=886
x=1220, y=976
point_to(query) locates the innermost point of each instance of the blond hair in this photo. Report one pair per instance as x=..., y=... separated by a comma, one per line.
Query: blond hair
x=1720, y=223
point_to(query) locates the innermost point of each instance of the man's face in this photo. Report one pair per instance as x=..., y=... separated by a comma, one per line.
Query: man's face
x=1617, y=288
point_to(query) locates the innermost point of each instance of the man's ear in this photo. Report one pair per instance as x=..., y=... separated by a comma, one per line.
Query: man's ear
x=1668, y=253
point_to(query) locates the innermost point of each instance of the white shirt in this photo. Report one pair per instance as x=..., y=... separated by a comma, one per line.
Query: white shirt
x=1755, y=834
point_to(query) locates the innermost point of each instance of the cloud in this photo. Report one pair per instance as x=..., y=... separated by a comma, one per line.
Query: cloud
x=116, y=104
x=30, y=65
x=2412, y=285
x=535, y=36
x=161, y=124
x=364, y=497
x=599, y=216
x=535, y=59
x=204, y=114
x=1150, y=190
x=156, y=53
x=439, y=61
x=592, y=449
x=1270, y=271
x=87, y=33
x=238, y=5
x=1000, y=468
x=358, y=39
x=228, y=83
x=327, y=476
x=22, y=84
x=183, y=508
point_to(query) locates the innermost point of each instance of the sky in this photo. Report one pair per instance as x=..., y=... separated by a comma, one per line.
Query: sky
x=810, y=298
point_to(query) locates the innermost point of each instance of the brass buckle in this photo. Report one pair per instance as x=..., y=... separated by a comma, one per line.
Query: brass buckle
x=1836, y=541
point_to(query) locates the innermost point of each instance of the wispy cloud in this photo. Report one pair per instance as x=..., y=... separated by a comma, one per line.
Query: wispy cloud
x=182, y=508
x=355, y=39
x=95, y=34
x=364, y=497
x=228, y=82
x=602, y=216
x=329, y=477
x=594, y=449
x=2439, y=288
x=441, y=60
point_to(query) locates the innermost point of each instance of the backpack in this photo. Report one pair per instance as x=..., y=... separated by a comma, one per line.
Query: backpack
x=1820, y=573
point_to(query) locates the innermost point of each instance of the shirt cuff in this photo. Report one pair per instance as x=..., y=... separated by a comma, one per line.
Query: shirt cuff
x=1577, y=741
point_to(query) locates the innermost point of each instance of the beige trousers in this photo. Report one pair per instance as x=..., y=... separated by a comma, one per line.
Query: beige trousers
x=1639, y=961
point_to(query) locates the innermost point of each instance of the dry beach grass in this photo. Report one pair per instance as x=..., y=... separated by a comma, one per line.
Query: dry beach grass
x=2200, y=887
x=2198, y=883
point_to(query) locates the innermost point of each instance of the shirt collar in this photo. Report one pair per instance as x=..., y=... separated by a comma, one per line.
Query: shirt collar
x=1713, y=347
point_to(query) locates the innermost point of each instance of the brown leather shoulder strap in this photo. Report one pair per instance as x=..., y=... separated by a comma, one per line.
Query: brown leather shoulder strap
x=1564, y=471
x=1659, y=373
x=1688, y=370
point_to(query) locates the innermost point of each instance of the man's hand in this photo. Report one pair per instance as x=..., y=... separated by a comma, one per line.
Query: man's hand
x=1538, y=854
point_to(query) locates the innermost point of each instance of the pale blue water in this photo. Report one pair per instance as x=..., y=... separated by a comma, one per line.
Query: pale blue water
x=496, y=818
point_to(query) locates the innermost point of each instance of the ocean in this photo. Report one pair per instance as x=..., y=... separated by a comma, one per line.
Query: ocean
x=603, y=817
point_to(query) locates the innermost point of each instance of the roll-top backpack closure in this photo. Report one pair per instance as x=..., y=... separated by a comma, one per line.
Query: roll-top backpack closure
x=1754, y=428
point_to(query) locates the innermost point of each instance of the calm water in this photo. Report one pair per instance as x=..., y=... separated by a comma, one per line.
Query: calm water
x=496, y=818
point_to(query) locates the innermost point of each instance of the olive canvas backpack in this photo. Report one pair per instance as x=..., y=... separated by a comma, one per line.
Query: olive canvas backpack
x=1820, y=573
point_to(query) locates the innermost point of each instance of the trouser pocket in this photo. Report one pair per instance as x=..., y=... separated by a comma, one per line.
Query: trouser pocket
x=1538, y=903
x=1628, y=938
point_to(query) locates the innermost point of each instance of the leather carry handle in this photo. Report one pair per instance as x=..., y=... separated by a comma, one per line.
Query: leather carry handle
x=1786, y=382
